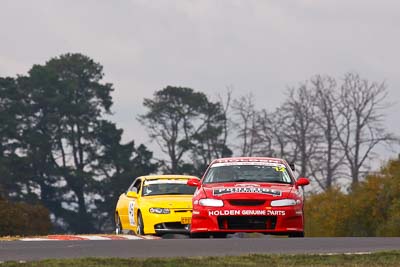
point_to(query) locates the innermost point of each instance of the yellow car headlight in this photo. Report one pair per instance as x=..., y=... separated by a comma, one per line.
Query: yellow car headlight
x=159, y=210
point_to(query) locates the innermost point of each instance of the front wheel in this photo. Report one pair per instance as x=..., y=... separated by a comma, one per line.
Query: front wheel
x=140, y=225
x=118, y=226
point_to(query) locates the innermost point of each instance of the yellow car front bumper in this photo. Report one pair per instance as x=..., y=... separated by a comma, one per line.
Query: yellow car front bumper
x=176, y=222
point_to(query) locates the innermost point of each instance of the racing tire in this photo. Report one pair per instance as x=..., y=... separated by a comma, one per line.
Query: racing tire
x=296, y=234
x=199, y=235
x=140, y=224
x=118, y=225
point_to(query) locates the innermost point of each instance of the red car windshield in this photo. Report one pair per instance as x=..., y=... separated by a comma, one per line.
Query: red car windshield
x=247, y=172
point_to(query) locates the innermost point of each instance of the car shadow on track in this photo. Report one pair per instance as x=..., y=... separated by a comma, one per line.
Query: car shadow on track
x=237, y=235
x=175, y=236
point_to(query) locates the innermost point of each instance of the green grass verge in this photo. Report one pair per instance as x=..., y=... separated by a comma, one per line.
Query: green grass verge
x=391, y=258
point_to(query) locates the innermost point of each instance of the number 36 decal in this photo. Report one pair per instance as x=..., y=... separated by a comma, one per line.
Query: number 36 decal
x=131, y=213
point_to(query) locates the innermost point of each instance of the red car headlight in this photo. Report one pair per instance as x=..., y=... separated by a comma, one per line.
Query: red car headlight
x=284, y=202
x=210, y=202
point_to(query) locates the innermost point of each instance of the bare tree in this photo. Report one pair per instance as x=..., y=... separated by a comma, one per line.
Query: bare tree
x=329, y=156
x=226, y=104
x=329, y=130
x=300, y=128
x=360, y=129
x=265, y=134
x=245, y=122
x=272, y=136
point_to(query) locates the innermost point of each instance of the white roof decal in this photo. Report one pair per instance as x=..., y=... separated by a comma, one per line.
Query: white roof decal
x=254, y=163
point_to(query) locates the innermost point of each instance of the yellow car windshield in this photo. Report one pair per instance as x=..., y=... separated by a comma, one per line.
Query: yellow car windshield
x=160, y=187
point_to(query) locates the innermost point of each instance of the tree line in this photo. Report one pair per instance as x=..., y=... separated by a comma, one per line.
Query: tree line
x=329, y=128
x=371, y=209
x=58, y=149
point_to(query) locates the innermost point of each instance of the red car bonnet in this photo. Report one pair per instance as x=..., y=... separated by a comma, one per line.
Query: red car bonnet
x=247, y=190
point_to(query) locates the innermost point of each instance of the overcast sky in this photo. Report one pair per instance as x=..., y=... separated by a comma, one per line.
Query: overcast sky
x=257, y=47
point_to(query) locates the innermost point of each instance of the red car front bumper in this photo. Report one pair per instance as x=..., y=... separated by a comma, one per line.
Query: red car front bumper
x=269, y=220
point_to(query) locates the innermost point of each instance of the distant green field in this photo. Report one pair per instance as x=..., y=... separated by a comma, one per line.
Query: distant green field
x=391, y=258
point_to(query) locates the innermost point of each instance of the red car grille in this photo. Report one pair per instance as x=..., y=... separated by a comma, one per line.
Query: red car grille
x=246, y=202
x=246, y=222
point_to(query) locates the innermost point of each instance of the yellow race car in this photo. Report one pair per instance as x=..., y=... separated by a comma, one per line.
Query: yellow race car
x=156, y=205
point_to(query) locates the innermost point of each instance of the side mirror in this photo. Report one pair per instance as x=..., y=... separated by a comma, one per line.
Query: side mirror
x=292, y=166
x=131, y=194
x=193, y=182
x=302, y=181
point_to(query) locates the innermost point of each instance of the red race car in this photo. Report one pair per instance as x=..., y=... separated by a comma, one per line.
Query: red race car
x=248, y=194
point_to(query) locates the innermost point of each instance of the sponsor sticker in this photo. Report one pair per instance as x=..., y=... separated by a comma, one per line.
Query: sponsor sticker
x=280, y=168
x=256, y=190
x=246, y=212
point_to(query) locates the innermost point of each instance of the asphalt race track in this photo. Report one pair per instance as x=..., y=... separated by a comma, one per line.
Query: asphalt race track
x=27, y=251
